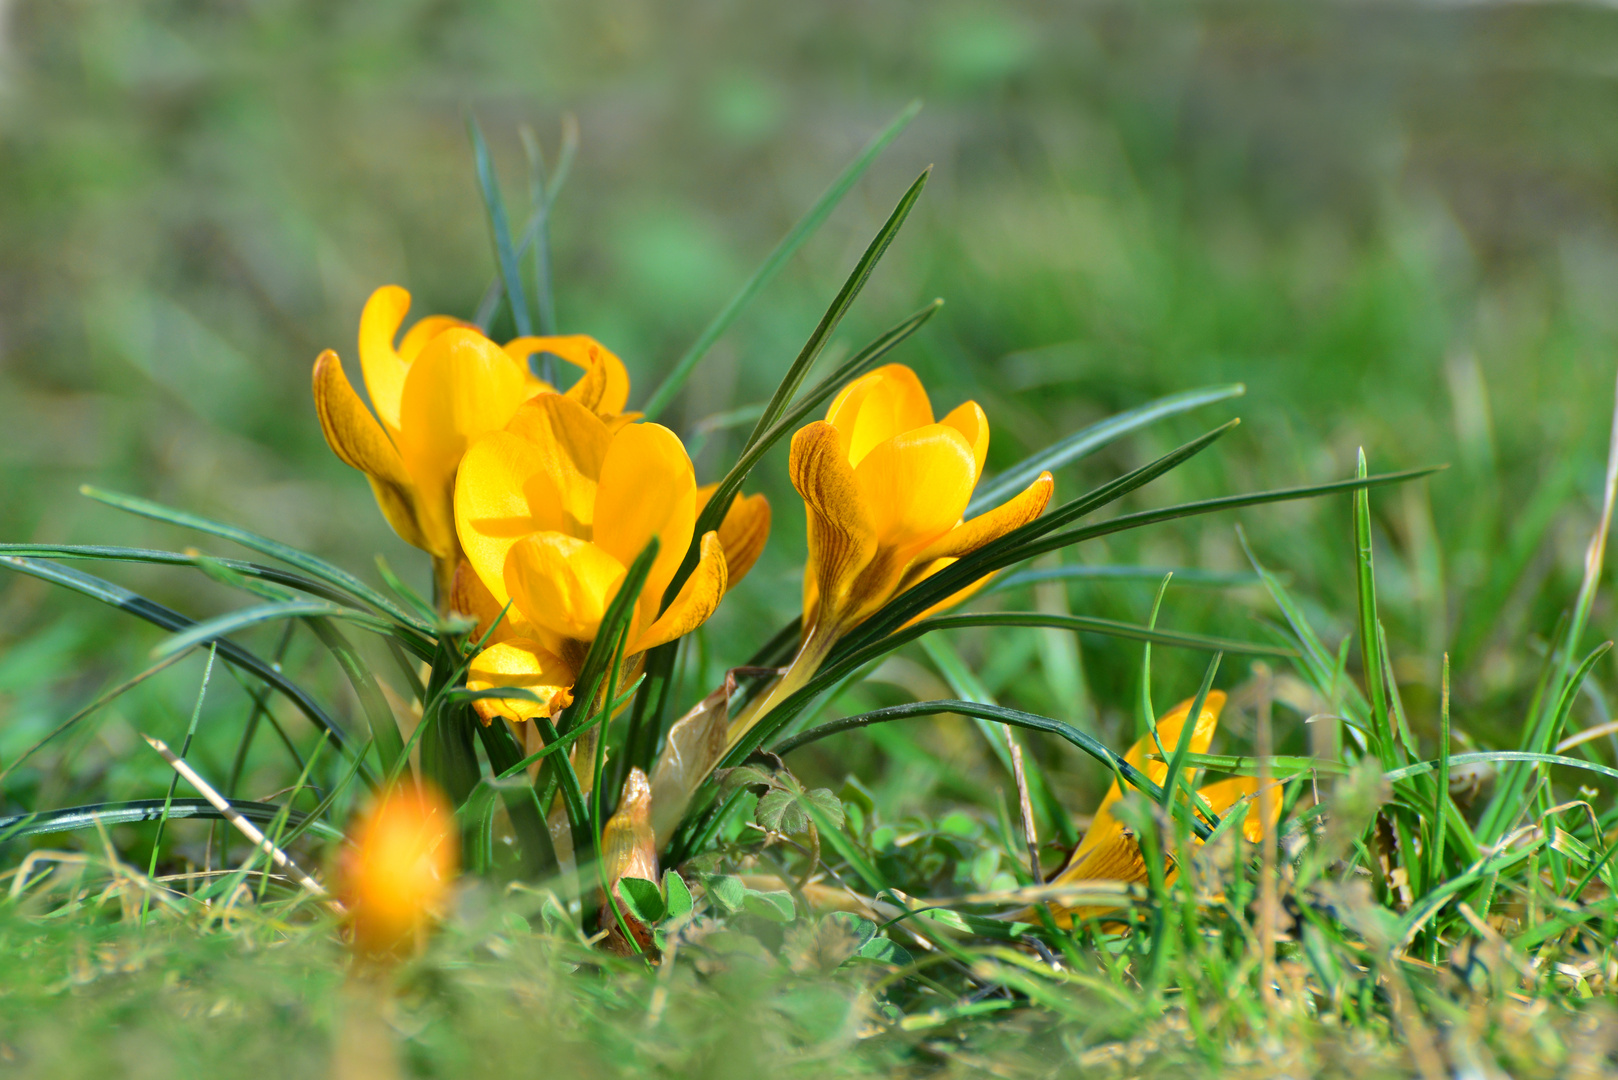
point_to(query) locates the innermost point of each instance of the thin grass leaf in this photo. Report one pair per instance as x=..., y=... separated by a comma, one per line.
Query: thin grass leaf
x=174, y=781
x=1145, y=711
x=320, y=569
x=1081, y=444
x=1369, y=629
x=229, y=623
x=1091, y=624
x=500, y=227
x=675, y=381
x=384, y=728
x=999, y=714
x=167, y=618
x=176, y=558
x=137, y=811
x=1177, y=762
x=1213, y=579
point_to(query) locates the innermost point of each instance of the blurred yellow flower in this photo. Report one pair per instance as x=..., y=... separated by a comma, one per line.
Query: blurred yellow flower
x=394, y=876
x=885, y=487
x=438, y=390
x=1109, y=852
x=551, y=511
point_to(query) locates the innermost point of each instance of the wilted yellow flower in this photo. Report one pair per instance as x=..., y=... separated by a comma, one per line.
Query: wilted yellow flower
x=628, y=849
x=885, y=487
x=440, y=388
x=551, y=511
x=1109, y=852
x=402, y=859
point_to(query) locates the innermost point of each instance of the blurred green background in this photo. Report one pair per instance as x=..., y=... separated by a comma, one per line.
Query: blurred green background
x=1394, y=222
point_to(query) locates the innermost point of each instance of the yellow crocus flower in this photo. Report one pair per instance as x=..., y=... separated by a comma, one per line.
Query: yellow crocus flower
x=395, y=876
x=885, y=487
x=551, y=510
x=440, y=388
x=1109, y=852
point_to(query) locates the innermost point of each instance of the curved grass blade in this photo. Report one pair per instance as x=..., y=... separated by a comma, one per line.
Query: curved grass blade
x=999, y=714
x=500, y=225
x=1080, y=444
x=213, y=629
x=137, y=811
x=169, y=619
x=1421, y=767
x=333, y=575
x=1090, y=624
x=806, y=226
x=384, y=728
x=1213, y=579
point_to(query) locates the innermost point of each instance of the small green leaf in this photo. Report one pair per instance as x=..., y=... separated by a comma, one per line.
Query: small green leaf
x=643, y=898
x=827, y=802
x=778, y=811
x=863, y=928
x=679, y=901
x=727, y=890
x=882, y=950
x=774, y=906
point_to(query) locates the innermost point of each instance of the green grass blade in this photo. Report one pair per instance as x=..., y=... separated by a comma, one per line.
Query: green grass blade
x=1213, y=579
x=1177, y=762
x=500, y=227
x=212, y=629
x=1091, y=624
x=137, y=811
x=384, y=728
x=1145, y=712
x=1419, y=767
x=169, y=619
x=675, y=381
x=1081, y=444
x=1014, y=717
x=1369, y=631
x=320, y=569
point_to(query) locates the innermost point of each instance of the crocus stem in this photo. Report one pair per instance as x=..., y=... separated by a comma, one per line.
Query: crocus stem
x=811, y=654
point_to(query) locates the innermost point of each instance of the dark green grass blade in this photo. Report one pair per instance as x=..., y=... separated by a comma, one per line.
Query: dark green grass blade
x=500, y=227
x=758, y=445
x=1090, y=624
x=176, y=558
x=320, y=569
x=1171, y=779
x=136, y=811
x=1081, y=444
x=999, y=714
x=169, y=619
x=1419, y=767
x=522, y=805
x=1212, y=579
x=216, y=628
x=675, y=381
x=384, y=729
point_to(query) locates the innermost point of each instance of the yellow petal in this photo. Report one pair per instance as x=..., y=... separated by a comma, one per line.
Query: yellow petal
x=968, y=419
x=915, y=485
x=425, y=329
x=359, y=441
x=742, y=534
x=561, y=583
x=538, y=475
x=875, y=407
x=524, y=664
x=991, y=525
x=842, y=539
x=604, y=386
x=646, y=489
x=383, y=367
x=1223, y=795
x=696, y=600
x=460, y=387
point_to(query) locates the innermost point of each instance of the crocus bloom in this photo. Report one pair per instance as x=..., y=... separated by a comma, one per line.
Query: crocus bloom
x=1109, y=852
x=396, y=873
x=885, y=487
x=551, y=511
x=436, y=391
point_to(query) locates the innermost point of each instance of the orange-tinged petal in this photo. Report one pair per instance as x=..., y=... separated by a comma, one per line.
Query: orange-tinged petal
x=628, y=849
x=561, y=583
x=470, y=597
x=1223, y=795
x=383, y=367
x=646, y=489
x=460, y=387
x=875, y=407
x=696, y=600
x=915, y=485
x=359, y=441
x=990, y=525
x=525, y=664
x=742, y=534
x=396, y=875
x=604, y=386
x=425, y=329
x=968, y=419
x=842, y=539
